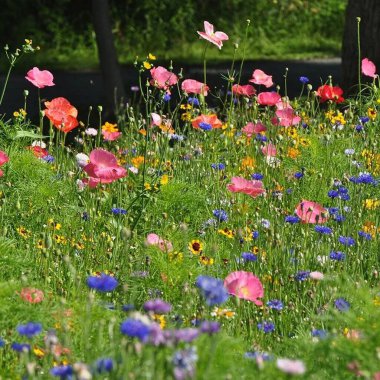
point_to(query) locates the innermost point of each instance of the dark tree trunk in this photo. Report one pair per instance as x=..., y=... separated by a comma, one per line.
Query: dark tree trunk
x=369, y=13
x=112, y=79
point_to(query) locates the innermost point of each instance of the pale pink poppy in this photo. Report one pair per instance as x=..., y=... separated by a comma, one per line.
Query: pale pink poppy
x=202, y=120
x=156, y=119
x=111, y=136
x=292, y=367
x=368, y=68
x=269, y=150
x=250, y=128
x=32, y=295
x=317, y=276
x=311, y=212
x=268, y=98
x=215, y=38
x=283, y=104
x=245, y=90
x=253, y=188
x=103, y=168
x=259, y=77
x=244, y=285
x=40, y=78
x=286, y=117
x=162, y=78
x=192, y=86
x=163, y=245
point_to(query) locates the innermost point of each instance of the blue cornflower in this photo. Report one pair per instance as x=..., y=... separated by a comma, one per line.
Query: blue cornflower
x=342, y=304
x=298, y=175
x=333, y=210
x=220, y=215
x=166, y=97
x=275, y=304
x=302, y=275
x=20, y=347
x=365, y=178
x=292, y=219
x=184, y=362
x=333, y=193
x=364, y=119
x=257, y=176
x=30, y=329
x=2, y=343
x=219, y=166
x=266, y=326
x=63, y=371
x=205, y=126
x=157, y=306
x=342, y=190
x=210, y=327
x=135, y=328
x=193, y=101
x=304, y=80
x=102, y=283
x=260, y=137
x=128, y=307
x=48, y=158
x=258, y=355
x=359, y=128
x=118, y=211
x=212, y=290
x=344, y=197
x=175, y=137
x=249, y=256
x=104, y=365
x=255, y=234
x=347, y=240
x=349, y=152
x=323, y=230
x=337, y=256
x=319, y=333
x=365, y=235
x=339, y=218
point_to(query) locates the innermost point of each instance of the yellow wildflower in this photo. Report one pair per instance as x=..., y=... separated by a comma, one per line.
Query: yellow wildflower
x=147, y=65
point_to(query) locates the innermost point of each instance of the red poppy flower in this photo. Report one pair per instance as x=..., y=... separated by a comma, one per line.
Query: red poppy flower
x=62, y=114
x=38, y=151
x=327, y=92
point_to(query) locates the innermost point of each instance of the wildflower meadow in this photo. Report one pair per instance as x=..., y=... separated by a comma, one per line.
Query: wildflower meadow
x=206, y=233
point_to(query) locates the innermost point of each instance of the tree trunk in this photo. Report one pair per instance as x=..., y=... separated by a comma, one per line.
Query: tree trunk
x=369, y=13
x=112, y=79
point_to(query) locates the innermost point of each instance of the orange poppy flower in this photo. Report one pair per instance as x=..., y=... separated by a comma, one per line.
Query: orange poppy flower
x=62, y=114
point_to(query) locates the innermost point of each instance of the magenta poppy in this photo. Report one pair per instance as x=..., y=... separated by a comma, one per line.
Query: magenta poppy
x=368, y=68
x=311, y=212
x=268, y=98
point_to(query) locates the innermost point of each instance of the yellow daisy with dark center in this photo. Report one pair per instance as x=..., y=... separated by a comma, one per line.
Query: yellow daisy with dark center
x=196, y=247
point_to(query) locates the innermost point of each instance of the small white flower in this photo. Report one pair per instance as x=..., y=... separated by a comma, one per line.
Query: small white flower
x=82, y=159
x=39, y=143
x=91, y=132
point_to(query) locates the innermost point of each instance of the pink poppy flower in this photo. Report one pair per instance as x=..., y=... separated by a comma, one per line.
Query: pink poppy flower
x=163, y=245
x=244, y=285
x=215, y=38
x=246, y=90
x=259, y=77
x=292, y=367
x=32, y=295
x=162, y=78
x=62, y=114
x=203, y=120
x=192, y=86
x=269, y=150
x=368, y=68
x=111, y=136
x=156, y=119
x=268, y=98
x=250, y=128
x=286, y=117
x=40, y=78
x=311, y=212
x=250, y=187
x=103, y=168
x=38, y=151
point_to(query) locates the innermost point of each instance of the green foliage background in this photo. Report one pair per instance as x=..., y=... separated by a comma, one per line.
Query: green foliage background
x=167, y=28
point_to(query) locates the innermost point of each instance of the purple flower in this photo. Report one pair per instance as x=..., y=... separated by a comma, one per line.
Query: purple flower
x=205, y=126
x=210, y=327
x=257, y=176
x=63, y=371
x=342, y=304
x=292, y=219
x=134, y=328
x=220, y=215
x=30, y=329
x=323, y=230
x=219, y=166
x=157, y=306
x=184, y=363
x=365, y=235
x=212, y=290
x=298, y=175
x=319, y=333
x=186, y=335
x=275, y=304
x=304, y=80
x=302, y=275
x=256, y=355
x=102, y=283
x=347, y=240
x=118, y=211
x=193, y=101
x=248, y=256
x=266, y=326
x=104, y=365
x=20, y=347
x=337, y=256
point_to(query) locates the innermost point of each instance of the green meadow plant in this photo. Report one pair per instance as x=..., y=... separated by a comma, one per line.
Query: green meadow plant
x=203, y=235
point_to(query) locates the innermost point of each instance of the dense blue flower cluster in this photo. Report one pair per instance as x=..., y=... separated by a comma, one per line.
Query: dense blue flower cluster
x=30, y=329
x=266, y=326
x=135, y=328
x=220, y=215
x=337, y=256
x=292, y=219
x=102, y=283
x=342, y=304
x=323, y=230
x=212, y=290
x=275, y=304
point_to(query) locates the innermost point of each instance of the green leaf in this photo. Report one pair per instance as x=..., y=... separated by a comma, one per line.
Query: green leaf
x=32, y=135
